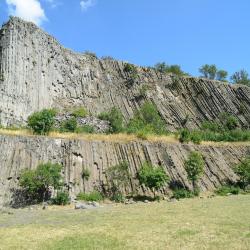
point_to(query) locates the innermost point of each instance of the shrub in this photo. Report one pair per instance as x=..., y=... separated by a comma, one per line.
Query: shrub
x=93, y=196
x=130, y=68
x=152, y=177
x=196, y=137
x=79, y=112
x=227, y=189
x=69, y=125
x=228, y=121
x=185, y=136
x=241, y=77
x=174, y=69
x=182, y=193
x=118, y=178
x=243, y=171
x=37, y=182
x=194, y=166
x=148, y=120
x=85, y=174
x=114, y=116
x=208, y=71
x=85, y=129
x=222, y=75
x=42, y=122
x=62, y=198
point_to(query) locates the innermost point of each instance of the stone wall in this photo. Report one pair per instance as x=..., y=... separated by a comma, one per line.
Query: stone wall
x=19, y=153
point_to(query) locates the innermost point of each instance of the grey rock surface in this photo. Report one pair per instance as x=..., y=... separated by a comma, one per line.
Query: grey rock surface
x=18, y=153
x=37, y=72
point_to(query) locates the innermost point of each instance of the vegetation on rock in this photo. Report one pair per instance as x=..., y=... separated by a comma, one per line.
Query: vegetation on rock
x=152, y=177
x=42, y=122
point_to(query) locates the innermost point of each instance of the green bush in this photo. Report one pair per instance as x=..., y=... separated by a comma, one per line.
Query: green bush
x=85, y=174
x=243, y=171
x=37, y=182
x=185, y=136
x=114, y=116
x=182, y=193
x=194, y=166
x=85, y=129
x=147, y=120
x=62, y=198
x=227, y=189
x=174, y=69
x=69, y=125
x=93, y=196
x=118, y=177
x=42, y=122
x=130, y=68
x=152, y=177
x=79, y=112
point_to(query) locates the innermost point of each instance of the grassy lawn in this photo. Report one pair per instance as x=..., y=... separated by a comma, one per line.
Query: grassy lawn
x=217, y=223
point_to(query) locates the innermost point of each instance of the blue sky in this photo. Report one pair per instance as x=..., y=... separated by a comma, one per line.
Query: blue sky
x=185, y=32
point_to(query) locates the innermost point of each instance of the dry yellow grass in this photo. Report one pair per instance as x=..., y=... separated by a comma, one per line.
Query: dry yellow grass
x=217, y=223
x=117, y=137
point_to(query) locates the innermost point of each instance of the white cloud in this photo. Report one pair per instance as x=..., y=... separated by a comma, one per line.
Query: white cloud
x=30, y=10
x=53, y=3
x=85, y=4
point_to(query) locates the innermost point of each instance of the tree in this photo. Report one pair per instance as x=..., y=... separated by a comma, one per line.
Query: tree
x=42, y=122
x=114, y=116
x=174, y=69
x=37, y=182
x=208, y=71
x=194, y=166
x=69, y=125
x=241, y=77
x=243, y=171
x=222, y=75
x=152, y=177
x=119, y=178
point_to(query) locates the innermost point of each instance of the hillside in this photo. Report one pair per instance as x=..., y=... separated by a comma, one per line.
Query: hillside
x=37, y=72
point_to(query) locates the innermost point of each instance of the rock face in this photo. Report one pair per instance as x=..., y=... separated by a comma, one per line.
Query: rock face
x=18, y=153
x=36, y=72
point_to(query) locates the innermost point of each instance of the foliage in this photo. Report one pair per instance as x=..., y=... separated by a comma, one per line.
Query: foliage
x=42, y=122
x=85, y=174
x=143, y=91
x=211, y=72
x=152, y=177
x=93, y=196
x=227, y=189
x=208, y=71
x=69, y=125
x=130, y=68
x=185, y=135
x=79, y=112
x=119, y=178
x=228, y=121
x=62, y=198
x=182, y=193
x=114, y=116
x=222, y=75
x=37, y=182
x=243, y=171
x=241, y=77
x=174, y=69
x=194, y=166
x=85, y=129
x=147, y=120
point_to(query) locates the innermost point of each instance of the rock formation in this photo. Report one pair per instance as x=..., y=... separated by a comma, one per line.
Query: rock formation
x=19, y=153
x=37, y=72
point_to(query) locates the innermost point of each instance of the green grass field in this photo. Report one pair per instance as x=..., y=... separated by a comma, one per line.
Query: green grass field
x=216, y=223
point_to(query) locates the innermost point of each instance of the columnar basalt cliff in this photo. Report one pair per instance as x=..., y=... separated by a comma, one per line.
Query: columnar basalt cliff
x=19, y=153
x=37, y=72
